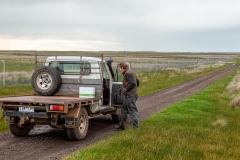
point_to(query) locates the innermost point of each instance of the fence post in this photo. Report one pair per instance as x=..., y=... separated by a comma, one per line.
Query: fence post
x=3, y=72
x=156, y=65
x=137, y=64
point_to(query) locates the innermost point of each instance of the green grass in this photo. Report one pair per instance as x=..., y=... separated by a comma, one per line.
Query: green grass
x=16, y=90
x=3, y=125
x=154, y=81
x=202, y=126
x=13, y=91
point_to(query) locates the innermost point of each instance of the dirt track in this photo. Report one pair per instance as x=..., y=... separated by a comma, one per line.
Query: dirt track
x=47, y=143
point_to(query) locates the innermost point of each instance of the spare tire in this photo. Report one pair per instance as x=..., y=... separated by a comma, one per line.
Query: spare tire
x=46, y=80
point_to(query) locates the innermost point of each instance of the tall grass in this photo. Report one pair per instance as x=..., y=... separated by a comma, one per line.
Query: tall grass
x=234, y=88
x=200, y=127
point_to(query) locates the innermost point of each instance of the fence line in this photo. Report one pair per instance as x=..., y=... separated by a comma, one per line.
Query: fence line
x=137, y=64
x=147, y=65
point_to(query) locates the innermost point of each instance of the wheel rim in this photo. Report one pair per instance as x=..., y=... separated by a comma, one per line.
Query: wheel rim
x=82, y=123
x=44, y=80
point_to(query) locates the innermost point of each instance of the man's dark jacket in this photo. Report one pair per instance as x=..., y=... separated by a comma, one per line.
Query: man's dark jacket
x=130, y=83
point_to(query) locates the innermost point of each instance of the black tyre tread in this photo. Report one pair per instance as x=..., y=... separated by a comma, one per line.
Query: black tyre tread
x=73, y=133
x=70, y=134
x=115, y=118
x=19, y=131
x=57, y=81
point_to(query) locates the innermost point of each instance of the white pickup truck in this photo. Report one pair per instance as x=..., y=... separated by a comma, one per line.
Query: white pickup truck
x=68, y=90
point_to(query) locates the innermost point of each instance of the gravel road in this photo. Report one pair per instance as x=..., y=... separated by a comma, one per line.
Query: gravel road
x=45, y=143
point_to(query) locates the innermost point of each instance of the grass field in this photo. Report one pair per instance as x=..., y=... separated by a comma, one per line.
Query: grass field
x=187, y=130
x=202, y=126
x=154, y=81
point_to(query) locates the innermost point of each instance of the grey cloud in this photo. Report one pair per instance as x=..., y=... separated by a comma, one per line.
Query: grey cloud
x=136, y=25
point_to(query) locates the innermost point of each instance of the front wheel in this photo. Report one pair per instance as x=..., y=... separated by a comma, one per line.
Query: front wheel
x=20, y=131
x=80, y=130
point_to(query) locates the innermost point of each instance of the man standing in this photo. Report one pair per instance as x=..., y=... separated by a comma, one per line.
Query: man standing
x=130, y=97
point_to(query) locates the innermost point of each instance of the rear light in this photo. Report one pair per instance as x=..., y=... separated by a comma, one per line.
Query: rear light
x=56, y=108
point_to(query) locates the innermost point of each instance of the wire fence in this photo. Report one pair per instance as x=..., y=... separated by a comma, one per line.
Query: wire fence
x=18, y=76
x=139, y=65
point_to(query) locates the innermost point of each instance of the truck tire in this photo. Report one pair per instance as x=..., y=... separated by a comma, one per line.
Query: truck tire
x=115, y=118
x=19, y=131
x=80, y=130
x=46, y=80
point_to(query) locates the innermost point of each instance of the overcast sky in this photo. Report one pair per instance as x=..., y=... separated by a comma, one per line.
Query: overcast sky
x=117, y=25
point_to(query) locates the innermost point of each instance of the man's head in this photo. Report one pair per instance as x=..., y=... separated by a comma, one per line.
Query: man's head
x=122, y=67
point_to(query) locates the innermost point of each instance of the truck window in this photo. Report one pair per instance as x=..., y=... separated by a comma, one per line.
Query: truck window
x=83, y=68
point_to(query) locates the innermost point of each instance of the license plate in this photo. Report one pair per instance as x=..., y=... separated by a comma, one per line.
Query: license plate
x=26, y=109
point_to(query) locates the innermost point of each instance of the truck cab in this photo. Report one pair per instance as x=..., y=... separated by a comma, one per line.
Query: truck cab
x=82, y=71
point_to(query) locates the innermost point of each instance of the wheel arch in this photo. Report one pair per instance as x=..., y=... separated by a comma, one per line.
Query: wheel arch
x=74, y=112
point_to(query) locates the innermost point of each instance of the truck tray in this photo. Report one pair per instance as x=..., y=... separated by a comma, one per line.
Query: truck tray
x=47, y=100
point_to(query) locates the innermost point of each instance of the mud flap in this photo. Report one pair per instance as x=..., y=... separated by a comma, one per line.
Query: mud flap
x=69, y=122
x=72, y=114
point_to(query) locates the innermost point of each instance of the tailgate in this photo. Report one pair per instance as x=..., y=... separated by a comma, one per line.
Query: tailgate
x=43, y=102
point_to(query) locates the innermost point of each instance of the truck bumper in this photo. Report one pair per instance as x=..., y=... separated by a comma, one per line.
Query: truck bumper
x=24, y=114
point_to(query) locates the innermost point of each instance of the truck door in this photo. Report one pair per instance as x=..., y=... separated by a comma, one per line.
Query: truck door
x=117, y=93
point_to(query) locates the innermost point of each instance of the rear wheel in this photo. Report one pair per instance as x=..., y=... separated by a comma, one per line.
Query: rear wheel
x=80, y=130
x=20, y=131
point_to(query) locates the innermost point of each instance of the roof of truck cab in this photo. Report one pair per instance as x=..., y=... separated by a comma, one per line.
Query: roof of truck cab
x=72, y=58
